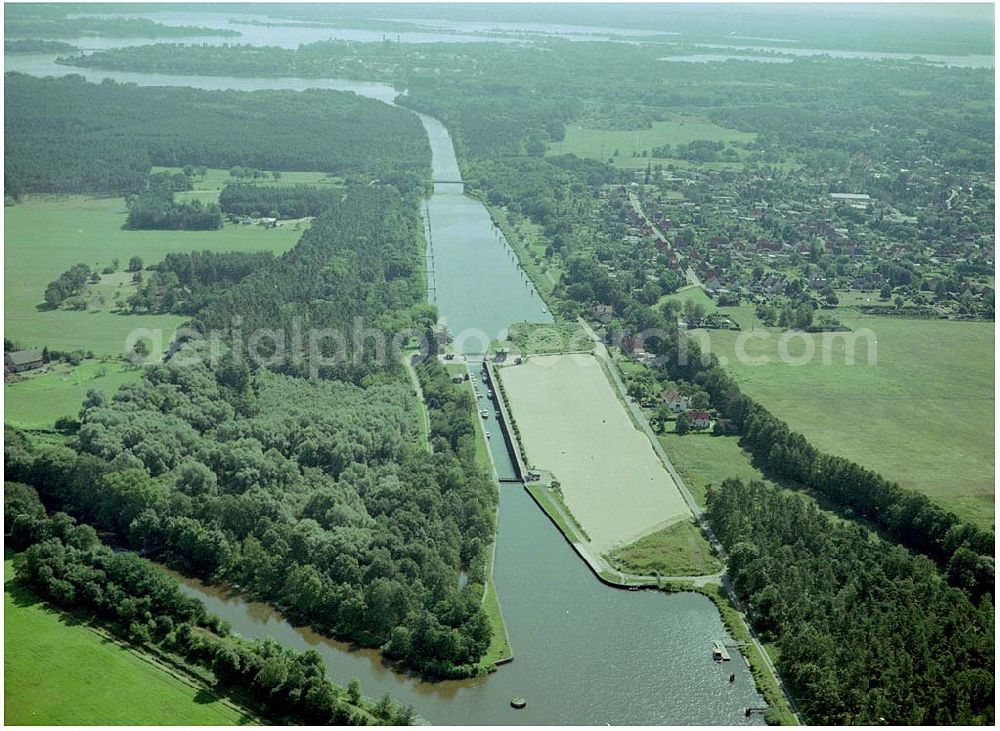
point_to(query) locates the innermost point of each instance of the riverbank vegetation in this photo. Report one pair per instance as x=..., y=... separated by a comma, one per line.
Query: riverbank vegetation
x=66, y=564
x=50, y=657
x=35, y=45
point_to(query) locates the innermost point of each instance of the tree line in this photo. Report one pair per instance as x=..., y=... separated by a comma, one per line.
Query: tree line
x=155, y=208
x=284, y=201
x=66, y=564
x=68, y=284
x=906, y=516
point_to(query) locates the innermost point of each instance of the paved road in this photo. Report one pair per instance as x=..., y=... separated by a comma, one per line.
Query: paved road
x=692, y=277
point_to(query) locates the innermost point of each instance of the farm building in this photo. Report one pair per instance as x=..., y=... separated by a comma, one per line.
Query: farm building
x=16, y=361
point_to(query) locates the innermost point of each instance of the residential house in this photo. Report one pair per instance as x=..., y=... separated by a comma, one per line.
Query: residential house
x=674, y=401
x=16, y=361
x=700, y=419
x=604, y=313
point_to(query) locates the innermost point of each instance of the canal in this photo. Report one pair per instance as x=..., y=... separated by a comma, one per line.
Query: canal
x=583, y=653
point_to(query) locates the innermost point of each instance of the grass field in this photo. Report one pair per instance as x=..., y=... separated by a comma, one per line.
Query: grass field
x=678, y=550
x=525, y=338
x=46, y=236
x=59, y=672
x=572, y=424
x=922, y=415
x=602, y=143
x=704, y=460
x=40, y=398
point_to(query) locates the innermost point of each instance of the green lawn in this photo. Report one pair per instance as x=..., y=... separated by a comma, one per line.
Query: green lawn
x=704, y=459
x=36, y=401
x=922, y=415
x=602, y=143
x=524, y=338
x=46, y=236
x=678, y=550
x=59, y=672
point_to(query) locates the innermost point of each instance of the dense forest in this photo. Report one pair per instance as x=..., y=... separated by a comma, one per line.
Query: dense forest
x=358, y=259
x=866, y=632
x=315, y=494
x=505, y=98
x=186, y=283
x=65, y=563
x=66, y=135
x=312, y=494
x=278, y=201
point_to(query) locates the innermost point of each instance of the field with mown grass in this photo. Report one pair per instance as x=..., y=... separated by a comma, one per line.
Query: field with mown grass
x=922, y=413
x=57, y=671
x=704, y=459
x=601, y=144
x=45, y=236
x=37, y=399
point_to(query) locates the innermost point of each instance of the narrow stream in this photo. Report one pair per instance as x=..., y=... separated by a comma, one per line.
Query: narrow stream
x=583, y=653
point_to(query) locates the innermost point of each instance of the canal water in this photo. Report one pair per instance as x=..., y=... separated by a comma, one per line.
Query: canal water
x=478, y=284
x=583, y=653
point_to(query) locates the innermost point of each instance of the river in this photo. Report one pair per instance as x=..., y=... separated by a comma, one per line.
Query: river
x=583, y=653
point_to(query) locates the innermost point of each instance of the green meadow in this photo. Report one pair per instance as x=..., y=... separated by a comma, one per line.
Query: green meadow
x=57, y=671
x=704, y=460
x=920, y=412
x=602, y=143
x=36, y=401
x=45, y=236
